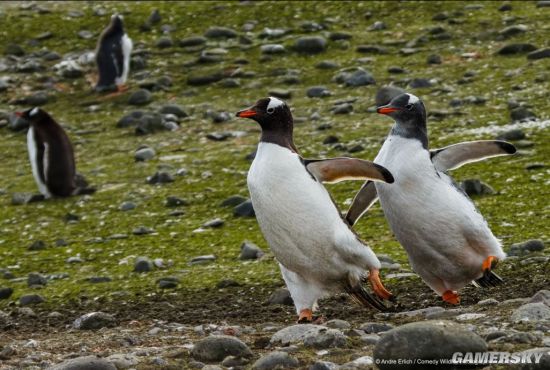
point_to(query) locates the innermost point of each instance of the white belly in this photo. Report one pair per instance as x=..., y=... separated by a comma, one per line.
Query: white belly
x=127, y=46
x=31, y=145
x=297, y=216
x=444, y=235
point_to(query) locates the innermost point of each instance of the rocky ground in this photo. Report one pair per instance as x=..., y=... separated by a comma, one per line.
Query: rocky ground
x=165, y=267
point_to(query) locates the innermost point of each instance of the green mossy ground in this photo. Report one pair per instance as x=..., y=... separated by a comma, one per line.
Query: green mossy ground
x=519, y=212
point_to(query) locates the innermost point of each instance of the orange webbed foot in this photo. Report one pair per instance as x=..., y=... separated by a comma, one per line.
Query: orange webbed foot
x=451, y=297
x=122, y=88
x=489, y=263
x=306, y=316
x=377, y=286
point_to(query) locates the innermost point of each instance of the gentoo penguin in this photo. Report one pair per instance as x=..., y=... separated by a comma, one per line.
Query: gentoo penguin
x=448, y=241
x=113, y=56
x=317, y=251
x=51, y=156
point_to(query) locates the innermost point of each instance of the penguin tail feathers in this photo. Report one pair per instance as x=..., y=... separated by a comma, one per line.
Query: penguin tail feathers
x=82, y=185
x=360, y=295
x=80, y=181
x=84, y=191
x=489, y=279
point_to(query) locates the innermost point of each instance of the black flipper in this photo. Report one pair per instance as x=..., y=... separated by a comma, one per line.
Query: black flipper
x=456, y=155
x=489, y=279
x=363, y=200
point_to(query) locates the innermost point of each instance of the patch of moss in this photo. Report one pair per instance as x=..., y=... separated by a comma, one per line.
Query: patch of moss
x=105, y=156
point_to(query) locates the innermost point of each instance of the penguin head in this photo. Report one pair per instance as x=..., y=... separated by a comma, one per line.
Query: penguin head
x=271, y=113
x=34, y=115
x=405, y=109
x=116, y=22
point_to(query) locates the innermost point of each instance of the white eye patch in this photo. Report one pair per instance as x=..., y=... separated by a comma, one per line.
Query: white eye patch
x=274, y=103
x=33, y=112
x=413, y=99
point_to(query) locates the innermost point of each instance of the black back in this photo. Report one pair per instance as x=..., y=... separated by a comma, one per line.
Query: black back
x=109, y=55
x=59, y=173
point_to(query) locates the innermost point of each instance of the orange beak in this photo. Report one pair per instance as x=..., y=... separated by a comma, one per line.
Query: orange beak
x=247, y=113
x=387, y=110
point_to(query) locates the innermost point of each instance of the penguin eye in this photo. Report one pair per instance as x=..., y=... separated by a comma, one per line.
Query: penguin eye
x=270, y=110
x=409, y=106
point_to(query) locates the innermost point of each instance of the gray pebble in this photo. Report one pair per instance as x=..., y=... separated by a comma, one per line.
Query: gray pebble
x=295, y=334
x=531, y=312
x=516, y=134
x=476, y=187
x=14, y=49
x=220, y=32
x=94, y=320
x=85, y=34
x=192, y=41
x=318, y=92
x=233, y=201
x=215, y=223
x=143, y=264
x=272, y=49
x=516, y=48
x=164, y=42
x=529, y=246
x=35, y=278
x=522, y=114
x=275, y=360
x=513, y=30
x=127, y=206
x=29, y=299
x=123, y=360
x=175, y=109
x=344, y=108
x=324, y=365
x=5, y=292
x=541, y=296
x=420, y=83
x=250, y=251
x=142, y=230
x=173, y=201
x=168, y=282
x=375, y=327
x=416, y=341
x=140, y=97
x=37, y=245
x=160, y=177
x=202, y=259
x=353, y=77
x=144, y=154
x=85, y=363
x=310, y=44
x=327, y=64
x=280, y=296
x=539, y=54
x=218, y=347
x=325, y=338
x=245, y=209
